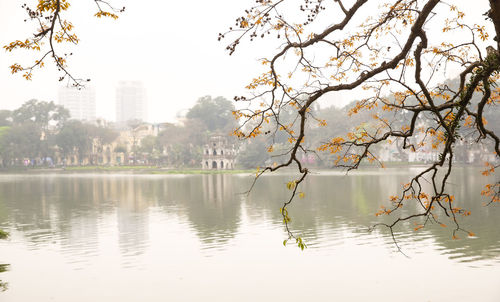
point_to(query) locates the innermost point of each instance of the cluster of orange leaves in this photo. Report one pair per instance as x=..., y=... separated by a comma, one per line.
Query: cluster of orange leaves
x=100, y=14
x=51, y=5
x=492, y=191
x=383, y=210
x=264, y=79
x=362, y=105
x=43, y=10
x=489, y=169
x=333, y=146
x=26, y=44
x=438, y=137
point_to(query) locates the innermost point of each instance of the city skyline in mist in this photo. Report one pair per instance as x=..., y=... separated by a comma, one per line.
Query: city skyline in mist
x=130, y=102
x=181, y=64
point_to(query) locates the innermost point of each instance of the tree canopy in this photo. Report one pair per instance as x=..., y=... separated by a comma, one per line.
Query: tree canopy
x=38, y=130
x=40, y=113
x=214, y=113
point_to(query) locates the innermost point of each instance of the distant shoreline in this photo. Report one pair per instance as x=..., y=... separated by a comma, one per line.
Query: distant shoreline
x=190, y=171
x=117, y=169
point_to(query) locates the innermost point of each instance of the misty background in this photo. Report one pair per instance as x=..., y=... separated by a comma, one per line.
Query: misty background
x=171, y=46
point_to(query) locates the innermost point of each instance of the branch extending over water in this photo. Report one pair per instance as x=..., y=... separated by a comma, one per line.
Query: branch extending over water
x=437, y=113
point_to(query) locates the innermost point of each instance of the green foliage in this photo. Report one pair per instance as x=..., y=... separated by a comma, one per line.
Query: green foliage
x=103, y=135
x=3, y=143
x=148, y=144
x=150, y=149
x=253, y=154
x=3, y=131
x=21, y=141
x=31, y=130
x=38, y=130
x=5, y=118
x=215, y=114
x=183, y=144
x=184, y=155
x=3, y=285
x=3, y=267
x=121, y=149
x=41, y=114
x=74, y=138
x=84, y=140
x=300, y=243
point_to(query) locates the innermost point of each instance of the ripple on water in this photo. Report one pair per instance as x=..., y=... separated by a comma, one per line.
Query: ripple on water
x=216, y=241
x=328, y=238
x=39, y=235
x=124, y=229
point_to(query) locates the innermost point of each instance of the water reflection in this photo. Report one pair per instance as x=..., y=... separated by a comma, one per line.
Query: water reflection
x=75, y=211
x=68, y=209
x=3, y=285
x=147, y=237
x=337, y=204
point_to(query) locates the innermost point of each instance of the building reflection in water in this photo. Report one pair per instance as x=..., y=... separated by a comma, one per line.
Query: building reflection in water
x=132, y=216
x=214, y=209
x=75, y=212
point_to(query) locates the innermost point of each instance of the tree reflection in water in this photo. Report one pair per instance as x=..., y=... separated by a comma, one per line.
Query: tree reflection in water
x=69, y=209
x=3, y=285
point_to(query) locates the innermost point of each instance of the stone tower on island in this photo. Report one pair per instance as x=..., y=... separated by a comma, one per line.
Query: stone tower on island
x=218, y=154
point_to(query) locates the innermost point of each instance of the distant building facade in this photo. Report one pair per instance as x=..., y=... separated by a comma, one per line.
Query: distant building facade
x=131, y=101
x=122, y=151
x=218, y=154
x=80, y=102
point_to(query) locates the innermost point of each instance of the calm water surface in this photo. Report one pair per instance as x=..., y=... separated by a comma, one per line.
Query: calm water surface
x=127, y=238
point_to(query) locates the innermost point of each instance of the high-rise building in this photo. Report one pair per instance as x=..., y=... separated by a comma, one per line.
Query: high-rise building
x=79, y=101
x=131, y=101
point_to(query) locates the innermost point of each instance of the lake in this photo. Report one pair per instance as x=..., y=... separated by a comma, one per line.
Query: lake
x=126, y=237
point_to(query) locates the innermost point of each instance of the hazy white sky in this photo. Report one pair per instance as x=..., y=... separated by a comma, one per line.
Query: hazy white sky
x=169, y=45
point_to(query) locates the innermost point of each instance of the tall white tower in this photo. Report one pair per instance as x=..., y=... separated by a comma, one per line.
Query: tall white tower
x=131, y=101
x=79, y=101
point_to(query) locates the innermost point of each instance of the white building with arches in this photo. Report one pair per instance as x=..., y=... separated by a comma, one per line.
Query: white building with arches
x=218, y=154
